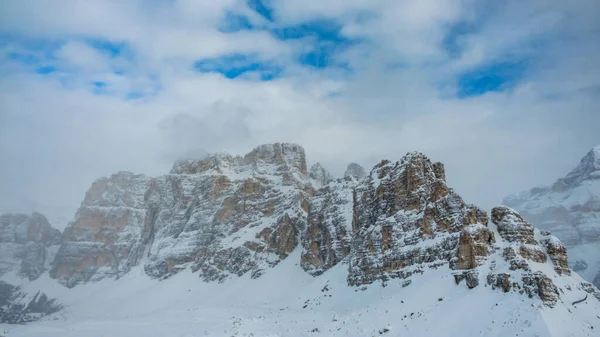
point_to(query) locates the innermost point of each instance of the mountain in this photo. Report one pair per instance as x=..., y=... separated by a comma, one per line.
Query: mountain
x=27, y=247
x=257, y=245
x=570, y=209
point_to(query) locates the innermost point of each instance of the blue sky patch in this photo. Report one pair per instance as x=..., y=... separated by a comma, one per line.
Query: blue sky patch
x=112, y=49
x=232, y=66
x=44, y=70
x=322, y=30
x=494, y=77
x=453, y=40
x=325, y=42
x=234, y=22
x=261, y=8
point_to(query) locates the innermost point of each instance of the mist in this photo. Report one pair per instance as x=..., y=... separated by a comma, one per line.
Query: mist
x=506, y=96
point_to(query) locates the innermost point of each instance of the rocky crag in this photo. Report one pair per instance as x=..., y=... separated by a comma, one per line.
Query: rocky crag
x=27, y=247
x=570, y=209
x=226, y=216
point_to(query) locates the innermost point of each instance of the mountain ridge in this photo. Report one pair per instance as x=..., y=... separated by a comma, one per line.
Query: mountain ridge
x=226, y=218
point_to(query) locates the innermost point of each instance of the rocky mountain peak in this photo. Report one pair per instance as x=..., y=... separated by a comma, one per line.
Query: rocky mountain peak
x=24, y=228
x=588, y=169
x=355, y=171
x=25, y=242
x=319, y=175
x=121, y=188
x=288, y=154
x=570, y=209
x=217, y=162
x=220, y=215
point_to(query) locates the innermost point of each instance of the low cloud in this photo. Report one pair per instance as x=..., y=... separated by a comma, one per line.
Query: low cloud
x=392, y=88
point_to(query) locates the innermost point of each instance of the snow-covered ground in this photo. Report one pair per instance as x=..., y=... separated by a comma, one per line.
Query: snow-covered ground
x=288, y=302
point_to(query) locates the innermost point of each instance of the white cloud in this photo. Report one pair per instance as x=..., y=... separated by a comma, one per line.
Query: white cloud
x=56, y=139
x=83, y=56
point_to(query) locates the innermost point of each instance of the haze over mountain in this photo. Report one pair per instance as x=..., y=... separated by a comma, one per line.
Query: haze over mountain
x=136, y=199
x=247, y=246
x=505, y=94
x=570, y=209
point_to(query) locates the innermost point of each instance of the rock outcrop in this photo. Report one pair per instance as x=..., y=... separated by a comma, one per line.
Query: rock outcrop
x=329, y=233
x=26, y=244
x=221, y=215
x=570, y=209
x=17, y=307
x=319, y=176
x=355, y=171
x=406, y=218
x=525, y=257
x=108, y=234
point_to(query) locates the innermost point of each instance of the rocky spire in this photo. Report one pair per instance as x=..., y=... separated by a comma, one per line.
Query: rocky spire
x=588, y=169
x=319, y=175
x=356, y=171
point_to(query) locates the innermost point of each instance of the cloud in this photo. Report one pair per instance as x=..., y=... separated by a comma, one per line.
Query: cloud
x=506, y=94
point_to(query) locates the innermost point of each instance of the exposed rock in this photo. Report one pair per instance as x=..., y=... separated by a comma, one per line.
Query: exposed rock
x=524, y=254
x=534, y=253
x=473, y=245
x=221, y=215
x=591, y=289
x=319, y=176
x=501, y=281
x=558, y=254
x=539, y=284
x=25, y=241
x=355, y=171
x=471, y=277
x=16, y=307
x=23, y=228
x=108, y=234
x=328, y=235
x=511, y=225
x=404, y=203
x=570, y=209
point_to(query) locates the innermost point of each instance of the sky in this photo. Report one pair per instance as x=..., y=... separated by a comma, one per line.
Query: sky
x=506, y=93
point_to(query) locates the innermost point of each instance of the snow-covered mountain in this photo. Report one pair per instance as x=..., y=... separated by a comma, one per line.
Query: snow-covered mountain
x=257, y=245
x=570, y=209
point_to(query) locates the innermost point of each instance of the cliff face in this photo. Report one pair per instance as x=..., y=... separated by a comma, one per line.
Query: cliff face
x=221, y=216
x=26, y=244
x=406, y=218
x=570, y=209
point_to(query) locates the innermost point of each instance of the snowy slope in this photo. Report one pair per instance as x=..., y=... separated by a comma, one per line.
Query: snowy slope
x=288, y=302
x=570, y=209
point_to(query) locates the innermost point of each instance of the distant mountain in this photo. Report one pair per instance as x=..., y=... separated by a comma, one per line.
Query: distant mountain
x=570, y=209
x=27, y=247
x=258, y=245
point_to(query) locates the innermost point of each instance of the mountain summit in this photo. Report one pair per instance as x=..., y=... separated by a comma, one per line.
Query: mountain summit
x=570, y=209
x=258, y=245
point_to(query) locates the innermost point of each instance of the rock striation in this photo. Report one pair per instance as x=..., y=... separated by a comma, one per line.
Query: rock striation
x=329, y=232
x=406, y=218
x=220, y=216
